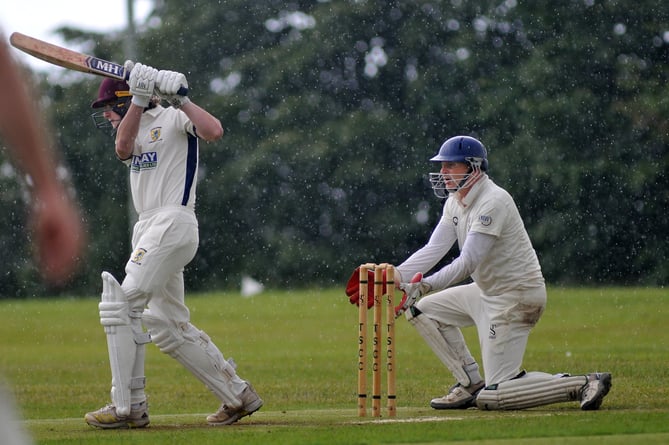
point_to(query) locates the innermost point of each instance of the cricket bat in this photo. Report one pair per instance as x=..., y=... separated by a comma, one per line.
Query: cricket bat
x=73, y=60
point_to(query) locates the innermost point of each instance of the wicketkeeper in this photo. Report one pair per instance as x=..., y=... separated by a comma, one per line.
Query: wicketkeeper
x=160, y=147
x=505, y=299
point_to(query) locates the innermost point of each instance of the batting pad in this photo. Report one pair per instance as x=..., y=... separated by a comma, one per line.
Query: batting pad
x=123, y=342
x=533, y=389
x=196, y=352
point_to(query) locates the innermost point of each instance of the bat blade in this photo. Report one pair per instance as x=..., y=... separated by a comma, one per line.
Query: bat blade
x=57, y=55
x=67, y=58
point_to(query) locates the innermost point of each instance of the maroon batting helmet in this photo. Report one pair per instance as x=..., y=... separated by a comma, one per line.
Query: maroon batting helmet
x=111, y=91
x=114, y=93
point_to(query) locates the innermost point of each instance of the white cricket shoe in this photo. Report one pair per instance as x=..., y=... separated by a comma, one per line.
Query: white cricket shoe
x=459, y=397
x=107, y=418
x=592, y=394
x=251, y=402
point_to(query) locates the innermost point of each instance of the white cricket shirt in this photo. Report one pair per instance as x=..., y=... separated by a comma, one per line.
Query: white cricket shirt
x=510, y=264
x=163, y=168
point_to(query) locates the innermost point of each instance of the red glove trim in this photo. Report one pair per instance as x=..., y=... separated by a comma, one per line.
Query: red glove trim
x=416, y=279
x=353, y=287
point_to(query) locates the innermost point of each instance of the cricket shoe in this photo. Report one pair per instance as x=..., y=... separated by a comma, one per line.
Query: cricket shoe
x=107, y=418
x=251, y=402
x=458, y=397
x=592, y=394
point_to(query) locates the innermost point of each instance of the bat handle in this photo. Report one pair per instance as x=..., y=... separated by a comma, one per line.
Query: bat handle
x=183, y=91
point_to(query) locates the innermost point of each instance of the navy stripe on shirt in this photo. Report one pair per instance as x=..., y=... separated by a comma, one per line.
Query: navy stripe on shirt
x=191, y=167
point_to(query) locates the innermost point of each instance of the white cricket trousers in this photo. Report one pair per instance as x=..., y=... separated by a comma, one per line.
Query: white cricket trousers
x=503, y=323
x=163, y=242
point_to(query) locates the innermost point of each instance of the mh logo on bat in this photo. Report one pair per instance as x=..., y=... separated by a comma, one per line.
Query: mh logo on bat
x=104, y=66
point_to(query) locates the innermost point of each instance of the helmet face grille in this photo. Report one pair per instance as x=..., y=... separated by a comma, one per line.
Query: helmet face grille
x=100, y=121
x=120, y=107
x=438, y=182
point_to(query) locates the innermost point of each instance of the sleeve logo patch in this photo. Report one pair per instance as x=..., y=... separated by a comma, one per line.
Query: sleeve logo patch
x=485, y=220
x=138, y=256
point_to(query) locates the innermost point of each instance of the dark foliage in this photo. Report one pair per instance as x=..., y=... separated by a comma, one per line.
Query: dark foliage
x=332, y=110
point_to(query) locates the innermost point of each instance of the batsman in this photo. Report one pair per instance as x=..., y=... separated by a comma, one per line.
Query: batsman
x=160, y=147
x=494, y=284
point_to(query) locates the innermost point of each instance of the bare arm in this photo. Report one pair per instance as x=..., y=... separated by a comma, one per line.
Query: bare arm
x=20, y=126
x=127, y=132
x=168, y=84
x=207, y=126
x=58, y=229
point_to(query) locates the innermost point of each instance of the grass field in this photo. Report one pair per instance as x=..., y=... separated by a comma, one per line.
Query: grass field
x=299, y=350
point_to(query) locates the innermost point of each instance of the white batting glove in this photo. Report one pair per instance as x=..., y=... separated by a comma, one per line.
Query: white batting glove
x=412, y=292
x=168, y=84
x=142, y=82
x=128, y=65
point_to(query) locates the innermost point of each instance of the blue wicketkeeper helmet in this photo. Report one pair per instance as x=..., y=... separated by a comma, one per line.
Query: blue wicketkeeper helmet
x=463, y=149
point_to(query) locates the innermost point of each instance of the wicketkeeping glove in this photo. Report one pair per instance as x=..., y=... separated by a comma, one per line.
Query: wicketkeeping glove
x=353, y=287
x=141, y=81
x=412, y=292
x=168, y=84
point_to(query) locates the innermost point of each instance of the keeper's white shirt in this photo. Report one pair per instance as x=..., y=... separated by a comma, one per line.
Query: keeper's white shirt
x=164, y=163
x=509, y=262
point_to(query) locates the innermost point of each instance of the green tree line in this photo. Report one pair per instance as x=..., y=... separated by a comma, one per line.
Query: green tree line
x=332, y=110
